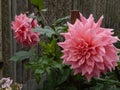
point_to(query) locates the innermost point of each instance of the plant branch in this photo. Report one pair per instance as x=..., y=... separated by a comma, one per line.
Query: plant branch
x=44, y=19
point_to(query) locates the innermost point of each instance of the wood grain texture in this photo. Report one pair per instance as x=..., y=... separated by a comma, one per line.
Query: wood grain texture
x=57, y=9
x=0, y=35
x=1, y=59
x=6, y=38
x=112, y=15
x=21, y=6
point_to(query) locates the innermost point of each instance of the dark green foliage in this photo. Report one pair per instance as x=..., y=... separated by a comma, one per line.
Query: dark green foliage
x=38, y=3
x=59, y=21
x=48, y=31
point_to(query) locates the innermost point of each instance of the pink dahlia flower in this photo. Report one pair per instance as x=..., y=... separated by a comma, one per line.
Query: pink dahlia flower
x=23, y=30
x=89, y=48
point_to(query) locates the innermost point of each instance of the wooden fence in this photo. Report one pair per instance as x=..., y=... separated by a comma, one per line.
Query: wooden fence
x=56, y=9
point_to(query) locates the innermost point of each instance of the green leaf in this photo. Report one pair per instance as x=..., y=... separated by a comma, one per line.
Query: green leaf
x=99, y=86
x=61, y=29
x=38, y=3
x=51, y=49
x=60, y=20
x=44, y=10
x=38, y=78
x=21, y=55
x=53, y=74
x=48, y=31
x=39, y=71
x=58, y=65
x=63, y=76
x=35, y=17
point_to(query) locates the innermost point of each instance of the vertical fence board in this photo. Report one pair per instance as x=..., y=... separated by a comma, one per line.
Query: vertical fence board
x=0, y=36
x=6, y=38
x=13, y=45
x=1, y=61
x=112, y=15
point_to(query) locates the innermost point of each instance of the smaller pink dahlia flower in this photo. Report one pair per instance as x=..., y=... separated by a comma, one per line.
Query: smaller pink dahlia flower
x=89, y=48
x=23, y=30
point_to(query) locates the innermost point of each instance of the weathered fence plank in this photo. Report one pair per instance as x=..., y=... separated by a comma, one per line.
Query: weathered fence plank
x=112, y=15
x=6, y=38
x=1, y=61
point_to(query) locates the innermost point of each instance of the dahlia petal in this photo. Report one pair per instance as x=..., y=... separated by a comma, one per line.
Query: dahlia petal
x=77, y=71
x=78, y=24
x=25, y=35
x=89, y=69
x=90, y=36
x=72, y=59
x=90, y=62
x=75, y=65
x=101, y=50
x=66, y=35
x=97, y=58
x=90, y=22
x=100, y=66
x=81, y=61
x=69, y=25
x=83, y=71
x=96, y=72
x=107, y=62
x=99, y=21
x=83, y=19
x=87, y=56
x=88, y=77
x=97, y=41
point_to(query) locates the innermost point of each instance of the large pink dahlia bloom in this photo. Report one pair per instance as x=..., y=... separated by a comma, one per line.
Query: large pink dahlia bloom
x=23, y=30
x=89, y=48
